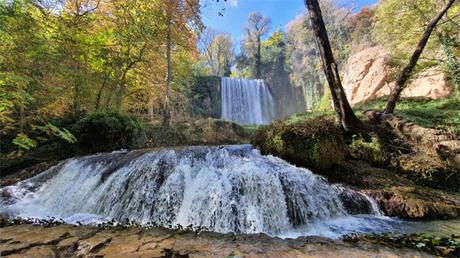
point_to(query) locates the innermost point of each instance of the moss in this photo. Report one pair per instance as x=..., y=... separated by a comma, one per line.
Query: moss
x=445, y=246
x=317, y=143
x=370, y=147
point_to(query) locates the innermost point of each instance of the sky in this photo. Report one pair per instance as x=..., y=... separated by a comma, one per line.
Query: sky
x=235, y=13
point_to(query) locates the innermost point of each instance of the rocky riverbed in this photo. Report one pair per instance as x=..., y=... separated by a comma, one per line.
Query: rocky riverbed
x=83, y=241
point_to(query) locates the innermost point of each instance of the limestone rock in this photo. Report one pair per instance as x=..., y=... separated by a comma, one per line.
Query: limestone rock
x=368, y=76
x=417, y=203
x=156, y=242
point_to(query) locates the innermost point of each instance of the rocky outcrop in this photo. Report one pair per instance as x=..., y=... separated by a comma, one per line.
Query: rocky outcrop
x=396, y=195
x=417, y=203
x=71, y=241
x=368, y=76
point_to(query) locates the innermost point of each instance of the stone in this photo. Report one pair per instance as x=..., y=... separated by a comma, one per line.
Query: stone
x=158, y=242
x=417, y=203
x=368, y=76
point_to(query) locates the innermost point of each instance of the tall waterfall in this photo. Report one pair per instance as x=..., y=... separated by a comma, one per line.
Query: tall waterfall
x=247, y=101
x=224, y=189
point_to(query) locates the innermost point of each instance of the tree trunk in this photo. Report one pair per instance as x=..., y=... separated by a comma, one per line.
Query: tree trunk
x=258, y=64
x=21, y=112
x=347, y=117
x=99, y=93
x=121, y=96
x=406, y=72
x=167, y=111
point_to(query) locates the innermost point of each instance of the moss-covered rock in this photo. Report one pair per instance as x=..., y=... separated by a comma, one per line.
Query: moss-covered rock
x=198, y=132
x=315, y=144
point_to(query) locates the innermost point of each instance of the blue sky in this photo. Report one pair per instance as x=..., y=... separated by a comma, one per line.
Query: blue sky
x=236, y=13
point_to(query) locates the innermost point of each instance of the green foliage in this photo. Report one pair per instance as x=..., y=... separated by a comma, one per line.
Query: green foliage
x=24, y=143
x=453, y=65
x=104, y=131
x=63, y=133
x=205, y=97
x=325, y=103
x=399, y=25
x=317, y=143
x=370, y=148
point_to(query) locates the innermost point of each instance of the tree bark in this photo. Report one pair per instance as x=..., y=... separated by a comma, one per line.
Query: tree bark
x=347, y=117
x=406, y=72
x=258, y=55
x=99, y=93
x=167, y=111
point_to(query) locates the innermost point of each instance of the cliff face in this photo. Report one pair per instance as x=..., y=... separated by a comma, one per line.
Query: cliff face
x=368, y=76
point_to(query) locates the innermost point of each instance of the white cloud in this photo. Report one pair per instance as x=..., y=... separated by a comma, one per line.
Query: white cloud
x=233, y=3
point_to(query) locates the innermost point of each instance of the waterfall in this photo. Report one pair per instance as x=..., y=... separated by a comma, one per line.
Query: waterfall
x=247, y=101
x=224, y=189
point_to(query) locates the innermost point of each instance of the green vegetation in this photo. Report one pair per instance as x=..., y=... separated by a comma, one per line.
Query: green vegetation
x=105, y=131
x=315, y=143
x=442, y=113
x=439, y=246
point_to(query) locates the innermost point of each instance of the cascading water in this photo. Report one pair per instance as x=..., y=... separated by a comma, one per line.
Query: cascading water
x=247, y=101
x=224, y=189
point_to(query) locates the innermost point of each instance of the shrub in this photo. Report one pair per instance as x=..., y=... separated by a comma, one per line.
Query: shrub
x=105, y=131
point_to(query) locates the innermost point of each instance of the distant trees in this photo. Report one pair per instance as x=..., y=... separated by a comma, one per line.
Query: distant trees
x=218, y=52
x=304, y=62
x=347, y=117
x=256, y=27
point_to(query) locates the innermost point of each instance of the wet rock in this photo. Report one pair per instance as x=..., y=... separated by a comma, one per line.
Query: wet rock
x=417, y=203
x=158, y=242
x=355, y=202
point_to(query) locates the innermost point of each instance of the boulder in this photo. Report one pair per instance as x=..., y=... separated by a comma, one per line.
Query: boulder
x=368, y=76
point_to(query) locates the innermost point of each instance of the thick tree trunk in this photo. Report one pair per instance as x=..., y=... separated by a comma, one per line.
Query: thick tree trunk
x=347, y=117
x=406, y=72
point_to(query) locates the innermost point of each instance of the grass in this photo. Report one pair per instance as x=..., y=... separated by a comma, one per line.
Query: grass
x=308, y=116
x=440, y=114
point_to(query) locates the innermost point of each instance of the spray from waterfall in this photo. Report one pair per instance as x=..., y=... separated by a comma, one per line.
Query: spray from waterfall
x=247, y=101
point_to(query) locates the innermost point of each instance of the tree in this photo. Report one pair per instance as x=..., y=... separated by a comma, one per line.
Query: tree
x=304, y=62
x=218, y=52
x=255, y=29
x=348, y=119
x=406, y=72
x=179, y=15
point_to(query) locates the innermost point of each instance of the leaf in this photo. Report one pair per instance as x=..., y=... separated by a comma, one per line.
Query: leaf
x=24, y=142
x=420, y=245
x=61, y=133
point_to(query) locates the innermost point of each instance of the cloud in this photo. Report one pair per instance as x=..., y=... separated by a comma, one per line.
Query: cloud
x=233, y=3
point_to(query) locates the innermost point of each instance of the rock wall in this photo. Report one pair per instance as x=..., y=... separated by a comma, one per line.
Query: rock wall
x=368, y=76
